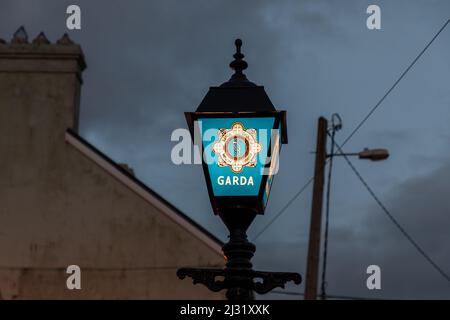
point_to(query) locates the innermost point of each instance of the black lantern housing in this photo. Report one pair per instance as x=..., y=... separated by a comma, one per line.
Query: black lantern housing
x=239, y=133
x=239, y=101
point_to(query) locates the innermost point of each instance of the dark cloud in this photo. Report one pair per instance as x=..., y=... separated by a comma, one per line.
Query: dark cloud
x=421, y=205
x=149, y=61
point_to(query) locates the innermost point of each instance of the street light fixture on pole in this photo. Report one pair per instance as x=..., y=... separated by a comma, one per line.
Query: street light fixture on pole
x=240, y=134
x=312, y=267
x=369, y=154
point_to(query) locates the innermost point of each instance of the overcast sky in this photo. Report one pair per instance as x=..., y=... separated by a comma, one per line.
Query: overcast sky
x=149, y=61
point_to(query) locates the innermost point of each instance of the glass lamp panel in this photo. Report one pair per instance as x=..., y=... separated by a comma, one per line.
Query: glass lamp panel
x=235, y=151
x=273, y=164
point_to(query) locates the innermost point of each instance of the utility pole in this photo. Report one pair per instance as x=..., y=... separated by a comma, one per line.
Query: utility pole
x=312, y=267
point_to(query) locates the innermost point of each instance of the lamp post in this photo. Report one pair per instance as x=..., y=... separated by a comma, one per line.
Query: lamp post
x=312, y=267
x=240, y=134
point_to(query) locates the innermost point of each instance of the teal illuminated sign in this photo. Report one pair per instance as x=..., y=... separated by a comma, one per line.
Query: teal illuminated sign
x=236, y=154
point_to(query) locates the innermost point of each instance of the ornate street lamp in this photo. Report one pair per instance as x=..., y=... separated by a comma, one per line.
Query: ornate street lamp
x=240, y=134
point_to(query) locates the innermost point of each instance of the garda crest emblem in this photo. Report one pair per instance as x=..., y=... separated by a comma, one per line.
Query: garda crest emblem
x=237, y=147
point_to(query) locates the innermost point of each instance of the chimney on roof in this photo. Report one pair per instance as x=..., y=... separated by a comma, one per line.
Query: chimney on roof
x=40, y=84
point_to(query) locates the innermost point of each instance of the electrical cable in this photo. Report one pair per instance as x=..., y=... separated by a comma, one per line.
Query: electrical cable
x=392, y=218
x=361, y=122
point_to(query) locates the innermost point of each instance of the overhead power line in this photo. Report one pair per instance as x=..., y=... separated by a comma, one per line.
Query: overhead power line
x=369, y=114
x=327, y=216
x=375, y=107
x=283, y=209
x=392, y=218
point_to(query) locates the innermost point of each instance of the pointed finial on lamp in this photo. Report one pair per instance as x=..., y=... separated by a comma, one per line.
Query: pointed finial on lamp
x=238, y=65
x=238, y=79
